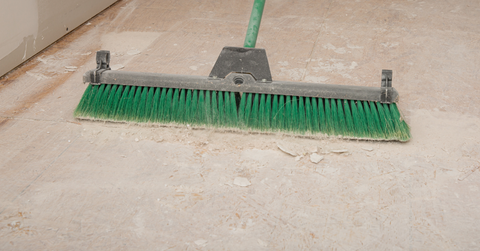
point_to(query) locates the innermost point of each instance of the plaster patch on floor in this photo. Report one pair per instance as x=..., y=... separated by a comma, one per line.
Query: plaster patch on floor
x=314, y=79
x=293, y=74
x=330, y=46
x=336, y=66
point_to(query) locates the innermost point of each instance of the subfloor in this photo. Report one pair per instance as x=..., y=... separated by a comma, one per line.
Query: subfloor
x=67, y=184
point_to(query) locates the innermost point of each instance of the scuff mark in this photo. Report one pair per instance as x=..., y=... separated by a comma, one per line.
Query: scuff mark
x=25, y=52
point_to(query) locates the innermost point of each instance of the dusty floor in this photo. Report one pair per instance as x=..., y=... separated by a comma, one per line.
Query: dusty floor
x=68, y=184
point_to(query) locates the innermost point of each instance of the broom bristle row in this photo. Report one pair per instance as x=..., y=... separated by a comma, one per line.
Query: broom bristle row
x=248, y=111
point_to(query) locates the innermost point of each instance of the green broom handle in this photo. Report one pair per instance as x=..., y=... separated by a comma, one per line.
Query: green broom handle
x=254, y=24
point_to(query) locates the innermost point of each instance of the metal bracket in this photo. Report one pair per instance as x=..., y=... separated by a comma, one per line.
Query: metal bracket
x=386, y=94
x=103, y=64
x=242, y=60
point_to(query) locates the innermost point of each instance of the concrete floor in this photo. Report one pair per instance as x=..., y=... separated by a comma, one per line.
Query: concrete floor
x=67, y=184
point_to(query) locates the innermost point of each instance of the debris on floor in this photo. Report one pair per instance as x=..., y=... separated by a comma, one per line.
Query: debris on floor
x=315, y=158
x=286, y=150
x=201, y=242
x=117, y=67
x=295, y=150
x=367, y=149
x=243, y=182
x=70, y=68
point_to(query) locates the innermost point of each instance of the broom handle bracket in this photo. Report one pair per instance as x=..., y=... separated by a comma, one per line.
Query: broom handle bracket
x=253, y=61
x=103, y=64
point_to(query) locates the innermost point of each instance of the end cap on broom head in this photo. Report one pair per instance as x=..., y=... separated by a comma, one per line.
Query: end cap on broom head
x=387, y=96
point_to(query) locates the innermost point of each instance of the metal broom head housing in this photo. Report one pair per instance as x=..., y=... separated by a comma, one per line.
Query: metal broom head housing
x=239, y=93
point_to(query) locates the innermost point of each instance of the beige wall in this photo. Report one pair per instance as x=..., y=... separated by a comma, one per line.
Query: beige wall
x=28, y=26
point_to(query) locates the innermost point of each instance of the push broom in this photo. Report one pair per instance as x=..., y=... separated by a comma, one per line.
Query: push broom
x=239, y=93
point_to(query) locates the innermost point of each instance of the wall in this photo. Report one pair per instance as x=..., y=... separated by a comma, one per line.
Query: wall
x=28, y=26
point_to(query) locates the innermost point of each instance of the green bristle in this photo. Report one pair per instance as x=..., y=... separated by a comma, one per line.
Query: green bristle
x=193, y=107
x=403, y=129
x=129, y=112
x=208, y=108
x=162, y=95
x=97, y=102
x=102, y=103
x=116, y=102
x=248, y=111
x=241, y=111
x=308, y=115
x=329, y=122
x=336, y=129
x=188, y=103
x=215, y=120
x=323, y=115
x=390, y=120
x=376, y=116
x=386, y=121
x=268, y=113
x=341, y=118
x=233, y=110
x=135, y=102
x=155, y=105
x=350, y=127
x=200, y=115
x=261, y=112
x=83, y=102
x=370, y=120
x=289, y=116
x=174, y=105
x=181, y=106
x=172, y=110
x=167, y=104
x=294, y=115
x=396, y=132
x=274, y=114
x=281, y=124
x=301, y=116
x=148, y=105
x=90, y=104
x=316, y=116
x=228, y=110
x=373, y=121
x=227, y=114
x=381, y=116
x=120, y=112
x=110, y=103
x=221, y=109
x=363, y=119
x=357, y=123
x=140, y=115
x=253, y=121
